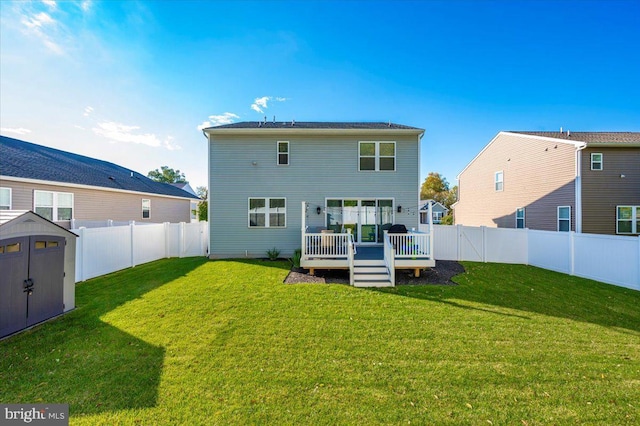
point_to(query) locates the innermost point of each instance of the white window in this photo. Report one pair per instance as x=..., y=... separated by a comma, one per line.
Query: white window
x=283, y=153
x=596, y=161
x=499, y=181
x=520, y=218
x=267, y=212
x=437, y=217
x=628, y=220
x=146, y=208
x=5, y=198
x=55, y=206
x=377, y=156
x=564, y=218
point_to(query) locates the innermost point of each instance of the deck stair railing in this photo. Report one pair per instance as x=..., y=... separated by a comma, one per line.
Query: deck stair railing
x=390, y=258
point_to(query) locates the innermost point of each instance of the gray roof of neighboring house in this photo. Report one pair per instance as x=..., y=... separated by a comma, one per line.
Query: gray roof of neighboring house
x=590, y=137
x=338, y=125
x=26, y=160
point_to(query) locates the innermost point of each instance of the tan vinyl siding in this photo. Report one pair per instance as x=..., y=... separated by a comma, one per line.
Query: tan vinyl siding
x=97, y=204
x=604, y=190
x=539, y=175
x=319, y=167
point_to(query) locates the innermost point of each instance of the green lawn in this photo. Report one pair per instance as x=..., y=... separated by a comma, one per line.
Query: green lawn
x=187, y=341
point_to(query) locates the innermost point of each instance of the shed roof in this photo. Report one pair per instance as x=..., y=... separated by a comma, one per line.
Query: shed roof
x=27, y=160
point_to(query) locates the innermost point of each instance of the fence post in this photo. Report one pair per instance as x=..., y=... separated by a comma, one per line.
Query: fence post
x=572, y=252
x=109, y=223
x=182, y=240
x=526, y=240
x=484, y=243
x=458, y=239
x=132, y=225
x=80, y=251
x=167, y=241
x=638, y=283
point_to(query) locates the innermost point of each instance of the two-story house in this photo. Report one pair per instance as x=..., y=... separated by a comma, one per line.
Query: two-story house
x=273, y=183
x=67, y=188
x=556, y=181
x=438, y=211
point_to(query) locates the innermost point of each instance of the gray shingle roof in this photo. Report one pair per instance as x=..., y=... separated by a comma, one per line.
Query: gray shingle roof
x=313, y=125
x=591, y=137
x=22, y=159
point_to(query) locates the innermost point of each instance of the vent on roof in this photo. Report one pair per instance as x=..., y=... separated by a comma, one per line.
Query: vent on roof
x=112, y=178
x=293, y=123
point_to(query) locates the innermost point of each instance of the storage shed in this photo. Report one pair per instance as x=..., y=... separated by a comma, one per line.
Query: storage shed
x=37, y=270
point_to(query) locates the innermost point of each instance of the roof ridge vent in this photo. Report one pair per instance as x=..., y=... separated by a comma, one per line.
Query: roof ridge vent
x=293, y=122
x=569, y=133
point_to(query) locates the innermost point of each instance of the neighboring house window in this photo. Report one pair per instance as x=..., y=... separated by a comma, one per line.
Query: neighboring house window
x=564, y=218
x=437, y=217
x=194, y=211
x=267, y=212
x=377, y=156
x=55, y=206
x=283, y=153
x=5, y=198
x=499, y=181
x=520, y=218
x=596, y=161
x=146, y=208
x=628, y=220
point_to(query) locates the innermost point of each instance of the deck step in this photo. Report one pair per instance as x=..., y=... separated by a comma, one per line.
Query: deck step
x=370, y=273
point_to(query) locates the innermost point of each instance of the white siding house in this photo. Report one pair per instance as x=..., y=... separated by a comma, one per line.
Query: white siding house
x=273, y=182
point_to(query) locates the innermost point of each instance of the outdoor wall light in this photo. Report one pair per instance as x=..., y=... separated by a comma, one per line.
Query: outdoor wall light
x=255, y=163
x=399, y=209
x=318, y=210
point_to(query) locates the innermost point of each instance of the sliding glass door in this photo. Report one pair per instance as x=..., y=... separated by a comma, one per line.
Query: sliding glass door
x=366, y=218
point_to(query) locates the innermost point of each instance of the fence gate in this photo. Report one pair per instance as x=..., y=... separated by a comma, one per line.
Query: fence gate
x=31, y=282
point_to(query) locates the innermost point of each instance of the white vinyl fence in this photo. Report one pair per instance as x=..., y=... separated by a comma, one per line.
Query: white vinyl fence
x=612, y=259
x=100, y=251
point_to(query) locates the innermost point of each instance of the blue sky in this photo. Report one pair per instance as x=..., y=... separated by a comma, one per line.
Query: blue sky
x=132, y=82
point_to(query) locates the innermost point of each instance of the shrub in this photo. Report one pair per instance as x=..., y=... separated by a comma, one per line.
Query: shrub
x=295, y=260
x=273, y=253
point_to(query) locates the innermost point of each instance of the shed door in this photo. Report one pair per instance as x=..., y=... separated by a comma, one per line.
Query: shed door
x=46, y=271
x=14, y=264
x=31, y=281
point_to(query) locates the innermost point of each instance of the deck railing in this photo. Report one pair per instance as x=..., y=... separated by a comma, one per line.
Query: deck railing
x=411, y=245
x=352, y=252
x=389, y=258
x=326, y=245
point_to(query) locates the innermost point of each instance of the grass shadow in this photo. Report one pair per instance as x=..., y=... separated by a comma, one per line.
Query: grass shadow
x=278, y=264
x=529, y=289
x=81, y=360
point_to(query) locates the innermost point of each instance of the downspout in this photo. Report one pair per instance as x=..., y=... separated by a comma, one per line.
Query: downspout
x=419, y=183
x=578, y=188
x=210, y=240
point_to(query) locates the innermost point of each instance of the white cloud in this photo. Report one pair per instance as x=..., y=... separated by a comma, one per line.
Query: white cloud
x=51, y=3
x=260, y=104
x=16, y=130
x=119, y=132
x=87, y=111
x=38, y=21
x=218, y=120
x=85, y=5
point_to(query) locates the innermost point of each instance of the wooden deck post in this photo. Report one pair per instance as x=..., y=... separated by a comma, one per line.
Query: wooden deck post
x=416, y=272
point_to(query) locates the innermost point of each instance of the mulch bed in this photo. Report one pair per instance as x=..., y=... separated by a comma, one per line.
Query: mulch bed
x=440, y=275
